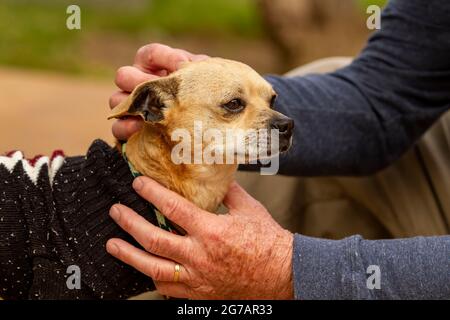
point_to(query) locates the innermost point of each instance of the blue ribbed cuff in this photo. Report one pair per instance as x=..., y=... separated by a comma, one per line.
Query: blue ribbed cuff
x=327, y=269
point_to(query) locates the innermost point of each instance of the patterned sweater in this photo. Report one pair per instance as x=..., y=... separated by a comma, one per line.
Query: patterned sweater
x=54, y=214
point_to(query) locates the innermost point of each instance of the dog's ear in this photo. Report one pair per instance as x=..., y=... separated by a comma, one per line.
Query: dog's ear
x=148, y=100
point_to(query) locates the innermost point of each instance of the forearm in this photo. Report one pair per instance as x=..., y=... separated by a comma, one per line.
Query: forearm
x=85, y=189
x=56, y=218
x=415, y=268
x=360, y=119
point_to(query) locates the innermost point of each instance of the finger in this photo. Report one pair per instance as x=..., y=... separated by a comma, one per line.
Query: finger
x=157, y=268
x=173, y=206
x=123, y=129
x=161, y=73
x=172, y=289
x=238, y=200
x=157, y=56
x=128, y=77
x=152, y=238
x=117, y=98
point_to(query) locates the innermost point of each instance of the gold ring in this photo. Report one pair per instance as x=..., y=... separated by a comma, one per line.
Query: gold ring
x=176, y=275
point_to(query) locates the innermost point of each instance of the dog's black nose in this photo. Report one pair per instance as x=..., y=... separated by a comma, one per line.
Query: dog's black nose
x=283, y=125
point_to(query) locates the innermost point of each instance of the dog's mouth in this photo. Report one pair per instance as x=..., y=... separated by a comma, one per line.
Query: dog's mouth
x=237, y=147
x=267, y=150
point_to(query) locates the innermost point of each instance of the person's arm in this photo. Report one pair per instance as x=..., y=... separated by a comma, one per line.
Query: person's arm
x=361, y=118
x=54, y=215
x=356, y=120
x=245, y=254
x=354, y=268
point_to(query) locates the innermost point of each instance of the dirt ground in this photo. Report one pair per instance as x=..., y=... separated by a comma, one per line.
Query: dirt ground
x=41, y=112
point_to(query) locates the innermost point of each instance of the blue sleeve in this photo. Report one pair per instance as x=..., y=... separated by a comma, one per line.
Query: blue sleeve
x=354, y=268
x=361, y=118
x=356, y=121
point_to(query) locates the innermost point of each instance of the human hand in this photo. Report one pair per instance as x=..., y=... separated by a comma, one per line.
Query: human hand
x=244, y=254
x=151, y=62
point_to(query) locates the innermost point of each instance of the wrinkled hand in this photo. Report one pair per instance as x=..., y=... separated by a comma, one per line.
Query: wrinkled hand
x=151, y=62
x=244, y=254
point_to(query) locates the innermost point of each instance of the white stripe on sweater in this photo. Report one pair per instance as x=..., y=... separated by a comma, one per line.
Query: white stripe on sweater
x=33, y=171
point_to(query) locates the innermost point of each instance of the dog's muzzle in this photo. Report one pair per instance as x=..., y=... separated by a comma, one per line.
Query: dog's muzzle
x=285, y=127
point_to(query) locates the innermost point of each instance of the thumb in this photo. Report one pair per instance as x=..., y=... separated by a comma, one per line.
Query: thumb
x=239, y=200
x=123, y=129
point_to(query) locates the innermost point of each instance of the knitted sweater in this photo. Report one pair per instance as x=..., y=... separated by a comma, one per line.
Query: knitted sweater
x=54, y=214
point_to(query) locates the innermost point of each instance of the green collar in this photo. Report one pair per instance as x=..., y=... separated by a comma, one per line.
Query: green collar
x=162, y=221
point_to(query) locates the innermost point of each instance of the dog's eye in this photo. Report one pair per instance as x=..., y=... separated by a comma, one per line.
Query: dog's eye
x=272, y=100
x=235, y=105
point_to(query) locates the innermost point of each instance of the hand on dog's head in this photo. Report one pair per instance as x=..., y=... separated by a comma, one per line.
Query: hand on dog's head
x=221, y=94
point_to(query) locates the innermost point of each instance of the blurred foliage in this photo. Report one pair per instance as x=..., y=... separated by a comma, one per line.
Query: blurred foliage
x=33, y=33
x=365, y=3
x=212, y=17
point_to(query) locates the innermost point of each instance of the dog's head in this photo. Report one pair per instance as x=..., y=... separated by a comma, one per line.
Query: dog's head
x=222, y=95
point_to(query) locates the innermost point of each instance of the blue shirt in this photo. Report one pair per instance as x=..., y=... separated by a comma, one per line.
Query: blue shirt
x=357, y=121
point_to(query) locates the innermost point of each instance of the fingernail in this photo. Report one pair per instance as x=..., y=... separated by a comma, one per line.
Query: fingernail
x=199, y=57
x=180, y=63
x=138, y=184
x=112, y=248
x=114, y=213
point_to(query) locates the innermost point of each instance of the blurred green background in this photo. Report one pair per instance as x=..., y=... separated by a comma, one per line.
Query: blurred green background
x=33, y=33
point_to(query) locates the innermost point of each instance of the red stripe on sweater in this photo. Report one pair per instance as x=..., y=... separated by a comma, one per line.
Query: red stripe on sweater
x=32, y=161
x=57, y=153
x=10, y=153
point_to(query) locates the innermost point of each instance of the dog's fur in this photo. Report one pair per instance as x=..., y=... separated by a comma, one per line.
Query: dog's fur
x=206, y=91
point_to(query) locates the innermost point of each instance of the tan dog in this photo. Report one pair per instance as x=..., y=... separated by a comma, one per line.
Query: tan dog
x=222, y=94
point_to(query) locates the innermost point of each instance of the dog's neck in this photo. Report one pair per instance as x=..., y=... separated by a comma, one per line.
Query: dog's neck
x=149, y=151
